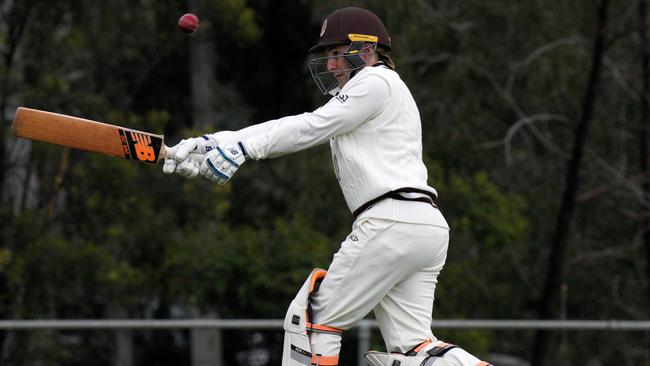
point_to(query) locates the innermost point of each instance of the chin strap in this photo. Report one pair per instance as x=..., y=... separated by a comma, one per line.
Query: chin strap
x=353, y=55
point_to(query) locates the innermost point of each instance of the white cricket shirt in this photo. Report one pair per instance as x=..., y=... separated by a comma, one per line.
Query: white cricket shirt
x=374, y=130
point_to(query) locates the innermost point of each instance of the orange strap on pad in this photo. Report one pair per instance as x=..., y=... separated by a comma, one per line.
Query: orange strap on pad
x=319, y=360
x=298, y=327
x=414, y=351
x=323, y=329
x=316, y=277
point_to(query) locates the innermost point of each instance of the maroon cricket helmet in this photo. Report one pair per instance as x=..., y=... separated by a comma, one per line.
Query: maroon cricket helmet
x=351, y=20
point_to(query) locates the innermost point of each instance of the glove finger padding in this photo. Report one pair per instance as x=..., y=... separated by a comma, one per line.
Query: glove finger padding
x=189, y=168
x=220, y=165
x=185, y=158
x=176, y=154
x=170, y=166
x=170, y=162
x=180, y=151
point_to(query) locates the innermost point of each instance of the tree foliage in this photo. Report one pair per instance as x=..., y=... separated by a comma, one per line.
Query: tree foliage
x=499, y=87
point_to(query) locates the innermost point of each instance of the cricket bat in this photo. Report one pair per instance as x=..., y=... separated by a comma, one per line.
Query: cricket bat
x=88, y=135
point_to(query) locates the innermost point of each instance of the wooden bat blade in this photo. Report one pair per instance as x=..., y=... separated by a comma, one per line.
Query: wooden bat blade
x=88, y=135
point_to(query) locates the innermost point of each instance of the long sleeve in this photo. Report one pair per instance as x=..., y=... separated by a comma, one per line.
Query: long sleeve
x=340, y=115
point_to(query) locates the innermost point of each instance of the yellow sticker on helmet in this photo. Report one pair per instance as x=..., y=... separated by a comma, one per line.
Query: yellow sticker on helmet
x=362, y=38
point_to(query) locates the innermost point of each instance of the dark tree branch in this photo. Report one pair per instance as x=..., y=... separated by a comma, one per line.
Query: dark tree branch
x=549, y=307
x=643, y=136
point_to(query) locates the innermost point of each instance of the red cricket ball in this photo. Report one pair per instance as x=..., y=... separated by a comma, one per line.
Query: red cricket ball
x=188, y=23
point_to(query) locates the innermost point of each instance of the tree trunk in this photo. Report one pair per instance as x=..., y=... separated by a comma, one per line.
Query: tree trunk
x=15, y=19
x=206, y=344
x=123, y=347
x=207, y=348
x=202, y=76
x=643, y=142
x=548, y=308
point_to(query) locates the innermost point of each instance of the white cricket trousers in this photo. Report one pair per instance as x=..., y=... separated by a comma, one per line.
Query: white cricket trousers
x=387, y=266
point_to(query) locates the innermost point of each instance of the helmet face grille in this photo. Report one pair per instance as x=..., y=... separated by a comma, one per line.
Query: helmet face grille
x=325, y=79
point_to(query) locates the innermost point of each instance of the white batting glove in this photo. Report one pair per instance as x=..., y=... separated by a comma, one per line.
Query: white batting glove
x=185, y=157
x=220, y=165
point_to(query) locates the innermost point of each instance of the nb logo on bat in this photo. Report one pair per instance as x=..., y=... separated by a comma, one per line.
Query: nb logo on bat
x=140, y=146
x=143, y=150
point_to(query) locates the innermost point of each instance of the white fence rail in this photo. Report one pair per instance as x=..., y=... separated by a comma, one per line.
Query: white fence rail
x=619, y=325
x=364, y=327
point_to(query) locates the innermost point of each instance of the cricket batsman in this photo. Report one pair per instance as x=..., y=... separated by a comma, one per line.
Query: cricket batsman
x=390, y=261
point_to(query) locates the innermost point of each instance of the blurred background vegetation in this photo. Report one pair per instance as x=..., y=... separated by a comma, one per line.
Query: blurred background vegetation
x=535, y=134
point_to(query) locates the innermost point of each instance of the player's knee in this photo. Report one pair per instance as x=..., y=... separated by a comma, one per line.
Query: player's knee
x=299, y=328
